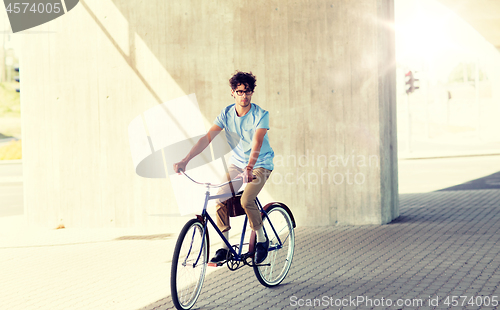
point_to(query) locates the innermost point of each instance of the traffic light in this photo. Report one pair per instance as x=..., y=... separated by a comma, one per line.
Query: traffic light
x=16, y=78
x=410, y=82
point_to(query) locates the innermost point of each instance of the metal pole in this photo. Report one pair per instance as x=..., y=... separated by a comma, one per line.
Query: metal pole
x=408, y=140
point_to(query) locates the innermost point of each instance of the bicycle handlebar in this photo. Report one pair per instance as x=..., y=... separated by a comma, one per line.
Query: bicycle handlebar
x=210, y=184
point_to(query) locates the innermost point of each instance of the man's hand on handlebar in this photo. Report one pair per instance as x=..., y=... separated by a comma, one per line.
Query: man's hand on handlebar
x=247, y=176
x=180, y=166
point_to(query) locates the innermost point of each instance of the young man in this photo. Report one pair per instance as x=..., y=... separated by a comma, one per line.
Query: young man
x=252, y=156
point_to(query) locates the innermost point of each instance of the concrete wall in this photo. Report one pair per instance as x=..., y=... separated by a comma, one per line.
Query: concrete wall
x=325, y=71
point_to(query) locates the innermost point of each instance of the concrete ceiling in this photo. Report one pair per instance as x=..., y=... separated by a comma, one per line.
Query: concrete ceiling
x=483, y=15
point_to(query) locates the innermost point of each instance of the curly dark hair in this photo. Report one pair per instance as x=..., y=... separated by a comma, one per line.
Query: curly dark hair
x=244, y=78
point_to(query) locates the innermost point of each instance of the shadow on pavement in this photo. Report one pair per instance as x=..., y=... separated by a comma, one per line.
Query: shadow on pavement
x=491, y=181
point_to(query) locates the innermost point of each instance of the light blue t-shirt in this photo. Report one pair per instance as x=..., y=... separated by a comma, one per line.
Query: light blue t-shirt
x=244, y=127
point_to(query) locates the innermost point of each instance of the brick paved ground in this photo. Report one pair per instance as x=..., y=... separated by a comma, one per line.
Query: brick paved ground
x=444, y=243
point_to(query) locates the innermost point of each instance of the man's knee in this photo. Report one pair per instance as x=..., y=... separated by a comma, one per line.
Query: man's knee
x=248, y=203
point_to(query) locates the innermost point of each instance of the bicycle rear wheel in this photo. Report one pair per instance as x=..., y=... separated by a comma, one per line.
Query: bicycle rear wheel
x=279, y=258
x=189, y=265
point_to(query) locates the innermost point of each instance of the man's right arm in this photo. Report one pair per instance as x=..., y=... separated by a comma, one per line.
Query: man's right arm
x=198, y=148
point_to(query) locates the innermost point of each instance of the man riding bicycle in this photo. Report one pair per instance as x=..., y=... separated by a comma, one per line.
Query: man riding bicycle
x=252, y=157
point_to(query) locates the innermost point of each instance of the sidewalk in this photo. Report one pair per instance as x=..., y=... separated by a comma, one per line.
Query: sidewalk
x=444, y=243
x=448, y=146
x=88, y=269
x=14, y=169
x=81, y=268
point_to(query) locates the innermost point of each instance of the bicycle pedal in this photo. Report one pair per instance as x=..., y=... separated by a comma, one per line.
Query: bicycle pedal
x=261, y=265
x=215, y=264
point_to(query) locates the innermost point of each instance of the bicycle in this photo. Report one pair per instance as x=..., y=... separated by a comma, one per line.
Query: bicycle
x=190, y=258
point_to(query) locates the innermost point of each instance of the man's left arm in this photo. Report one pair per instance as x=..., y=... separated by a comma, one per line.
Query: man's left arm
x=258, y=139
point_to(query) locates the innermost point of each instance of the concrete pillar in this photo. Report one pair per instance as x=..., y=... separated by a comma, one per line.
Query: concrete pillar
x=325, y=72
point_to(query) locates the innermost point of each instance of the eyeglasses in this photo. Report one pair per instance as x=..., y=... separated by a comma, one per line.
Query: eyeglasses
x=241, y=92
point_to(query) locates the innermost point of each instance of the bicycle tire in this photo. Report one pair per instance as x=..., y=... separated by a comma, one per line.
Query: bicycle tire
x=186, y=280
x=280, y=260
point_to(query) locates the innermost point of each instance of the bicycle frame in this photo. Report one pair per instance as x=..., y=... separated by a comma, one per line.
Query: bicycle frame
x=236, y=256
x=186, y=280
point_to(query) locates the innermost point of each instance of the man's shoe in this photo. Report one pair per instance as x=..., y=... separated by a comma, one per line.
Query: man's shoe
x=220, y=255
x=261, y=251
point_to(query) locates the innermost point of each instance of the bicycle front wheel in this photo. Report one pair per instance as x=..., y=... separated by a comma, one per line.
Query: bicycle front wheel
x=189, y=265
x=281, y=245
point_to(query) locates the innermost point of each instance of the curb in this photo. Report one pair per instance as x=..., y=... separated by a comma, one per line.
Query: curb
x=445, y=155
x=10, y=180
x=11, y=161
